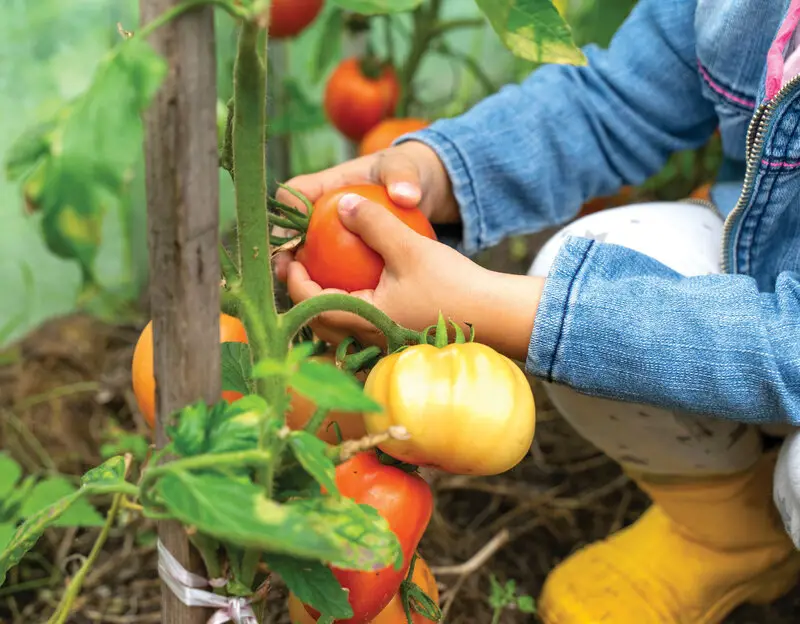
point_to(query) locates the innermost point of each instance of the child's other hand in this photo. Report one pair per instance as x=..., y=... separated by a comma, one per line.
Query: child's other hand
x=420, y=278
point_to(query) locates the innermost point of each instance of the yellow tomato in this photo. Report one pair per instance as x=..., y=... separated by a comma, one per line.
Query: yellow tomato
x=393, y=613
x=468, y=409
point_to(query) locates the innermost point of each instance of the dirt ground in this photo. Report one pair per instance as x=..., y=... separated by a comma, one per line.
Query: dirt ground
x=69, y=379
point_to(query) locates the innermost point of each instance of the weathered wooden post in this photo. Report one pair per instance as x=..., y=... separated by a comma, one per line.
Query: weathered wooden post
x=183, y=224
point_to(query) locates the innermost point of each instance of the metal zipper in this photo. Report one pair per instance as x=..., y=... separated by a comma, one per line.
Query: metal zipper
x=756, y=134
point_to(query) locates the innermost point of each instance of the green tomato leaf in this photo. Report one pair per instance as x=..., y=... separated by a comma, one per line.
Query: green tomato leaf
x=48, y=492
x=310, y=452
x=27, y=534
x=7, y=530
x=329, y=44
x=269, y=367
x=313, y=583
x=110, y=472
x=188, y=434
x=235, y=367
x=237, y=427
x=10, y=474
x=13, y=500
x=377, y=7
x=533, y=30
x=331, y=388
x=77, y=164
x=526, y=604
x=333, y=530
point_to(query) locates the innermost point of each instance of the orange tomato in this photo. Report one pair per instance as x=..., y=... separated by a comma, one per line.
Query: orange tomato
x=144, y=382
x=393, y=613
x=355, y=102
x=384, y=134
x=302, y=409
x=335, y=257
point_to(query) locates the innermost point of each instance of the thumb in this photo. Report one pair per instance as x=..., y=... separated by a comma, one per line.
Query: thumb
x=377, y=226
x=400, y=175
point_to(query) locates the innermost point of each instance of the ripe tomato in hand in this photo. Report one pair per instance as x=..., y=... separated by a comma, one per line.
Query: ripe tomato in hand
x=335, y=257
x=394, y=613
x=406, y=502
x=383, y=135
x=288, y=18
x=355, y=101
x=144, y=382
x=301, y=409
x=468, y=409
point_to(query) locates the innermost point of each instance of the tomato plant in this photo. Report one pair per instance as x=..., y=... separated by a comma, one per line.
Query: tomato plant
x=467, y=408
x=335, y=257
x=406, y=502
x=382, y=135
x=144, y=382
x=259, y=492
x=394, y=613
x=359, y=94
x=291, y=17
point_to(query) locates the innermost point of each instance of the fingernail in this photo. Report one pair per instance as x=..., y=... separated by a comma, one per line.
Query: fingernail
x=348, y=203
x=406, y=190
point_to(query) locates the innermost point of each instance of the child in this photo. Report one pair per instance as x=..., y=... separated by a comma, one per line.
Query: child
x=667, y=361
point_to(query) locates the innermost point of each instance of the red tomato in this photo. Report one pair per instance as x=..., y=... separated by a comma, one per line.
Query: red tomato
x=288, y=18
x=394, y=613
x=144, y=382
x=355, y=103
x=335, y=257
x=406, y=502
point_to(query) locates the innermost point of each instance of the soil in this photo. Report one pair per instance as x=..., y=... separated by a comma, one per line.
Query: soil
x=67, y=386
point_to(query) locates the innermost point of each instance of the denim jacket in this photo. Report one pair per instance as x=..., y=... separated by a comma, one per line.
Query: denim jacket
x=615, y=323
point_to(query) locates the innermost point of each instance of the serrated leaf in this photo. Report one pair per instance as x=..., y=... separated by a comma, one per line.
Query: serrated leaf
x=235, y=367
x=237, y=428
x=48, y=492
x=310, y=452
x=76, y=166
x=188, y=434
x=333, y=530
x=331, y=388
x=10, y=474
x=328, y=45
x=30, y=531
x=378, y=7
x=533, y=30
x=313, y=583
x=110, y=472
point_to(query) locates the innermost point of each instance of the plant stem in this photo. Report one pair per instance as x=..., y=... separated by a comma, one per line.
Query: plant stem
x=171, y=14
x=396, y=335
x=425, y=28
x=250, y=183
x=67, y=600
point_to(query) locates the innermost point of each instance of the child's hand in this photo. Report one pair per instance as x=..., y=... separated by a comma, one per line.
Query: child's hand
x=422, y=277
x=413, y=176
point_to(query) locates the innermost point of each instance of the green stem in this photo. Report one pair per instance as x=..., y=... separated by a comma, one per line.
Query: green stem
x=315, y=422
x=396, y=335
x=124, y=488
x=425, y=29
x=67, y=600
x=250, y=176
x=229, y=270
x=496, y=617
x=180, y=9
x=446, y=26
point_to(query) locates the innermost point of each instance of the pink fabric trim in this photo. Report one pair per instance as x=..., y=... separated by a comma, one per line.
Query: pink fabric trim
x=724, y=93
x=775, y=56
x=779, y=164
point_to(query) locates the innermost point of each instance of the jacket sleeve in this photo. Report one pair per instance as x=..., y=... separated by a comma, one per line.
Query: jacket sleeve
x=529, y=156
x=617, y=324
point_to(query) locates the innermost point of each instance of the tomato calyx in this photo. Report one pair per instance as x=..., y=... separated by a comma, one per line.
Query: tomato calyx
x=371, y=66
x=388, y=460
x=359, y=359
x=290, y=218
x=414, y=598
x=440, y=334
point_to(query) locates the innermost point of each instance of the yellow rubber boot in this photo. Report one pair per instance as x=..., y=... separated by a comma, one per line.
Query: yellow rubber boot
x=701, y=550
